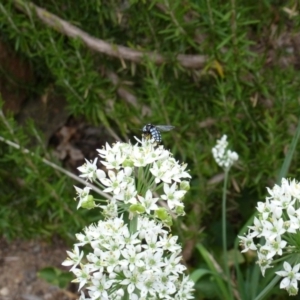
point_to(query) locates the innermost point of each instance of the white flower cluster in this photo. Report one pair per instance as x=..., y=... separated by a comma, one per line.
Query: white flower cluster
x=278, y=226
x=134, y=173
x=224, y=157
x=136, y=259
x=142, y=265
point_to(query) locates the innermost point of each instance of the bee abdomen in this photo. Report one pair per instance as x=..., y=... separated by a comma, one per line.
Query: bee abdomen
x=155, y=134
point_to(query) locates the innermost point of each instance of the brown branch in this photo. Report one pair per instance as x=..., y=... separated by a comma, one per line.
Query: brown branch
x=126, y=95
x=122, y=92
x=121, y=52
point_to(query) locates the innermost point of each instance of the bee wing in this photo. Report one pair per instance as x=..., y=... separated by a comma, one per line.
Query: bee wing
x=164, y=127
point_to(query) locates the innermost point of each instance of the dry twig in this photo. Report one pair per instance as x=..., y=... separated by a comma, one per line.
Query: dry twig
x=121, y=52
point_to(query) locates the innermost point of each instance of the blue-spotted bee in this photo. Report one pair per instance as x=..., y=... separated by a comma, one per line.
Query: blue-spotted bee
x=153, y=131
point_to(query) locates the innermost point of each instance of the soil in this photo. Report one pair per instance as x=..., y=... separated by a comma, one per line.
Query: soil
x=20, y=262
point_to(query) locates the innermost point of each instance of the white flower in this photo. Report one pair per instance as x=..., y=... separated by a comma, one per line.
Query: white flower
x=148, y=283
x=132, y=279
x=282, y=195
x=257, y=229
x=273, y=230
x=172, y=195
x=167, y=285
x=263, y=263
x=154, y=260
x=121, y=260
x=100, y=286
x=247, y=243
x=294, y=215
x=177, y=170
x=295, y=189
x=114, y=184
x=110, y=211
x=140, y=157
x=273, y=247
x=169, y=243
x=185, y=289
x=277, y=246
x=292, y=212
x=116, y=148
x=128, y=195
x=161, y=172
x=173, y=263
x=82, y=275
x=83, y=195
x=291, y=276
x=113, y=160
x=132, y=258
x=113, y=256
x=88, y=170
x=146, y=226
x=74, y=258
x=151, y=241
x=224, y=157
x=263, y=208
x=149, y=203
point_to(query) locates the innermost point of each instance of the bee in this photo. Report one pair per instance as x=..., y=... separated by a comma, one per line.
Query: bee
x=153, y=131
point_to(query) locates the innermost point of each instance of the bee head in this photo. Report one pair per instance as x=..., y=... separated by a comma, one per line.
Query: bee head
x=146, y=128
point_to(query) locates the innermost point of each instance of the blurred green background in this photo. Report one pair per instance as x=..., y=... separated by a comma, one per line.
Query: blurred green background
x=106, y=68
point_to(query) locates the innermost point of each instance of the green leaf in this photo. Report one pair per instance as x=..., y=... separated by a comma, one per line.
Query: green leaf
x=55, y=276
x=213, y=268
x=199, y=273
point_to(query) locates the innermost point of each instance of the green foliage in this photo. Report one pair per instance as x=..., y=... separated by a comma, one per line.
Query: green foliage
x=247, y=89
x=55, y=276
x=35, y=199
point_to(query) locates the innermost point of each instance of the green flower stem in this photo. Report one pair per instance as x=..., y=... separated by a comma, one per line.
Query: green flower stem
x=268, y=288
x=133, y=224
x=288, y=158
x=224, y=235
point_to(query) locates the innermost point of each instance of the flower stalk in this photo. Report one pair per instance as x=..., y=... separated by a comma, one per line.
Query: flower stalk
x=224, y=234
x=225, y=158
